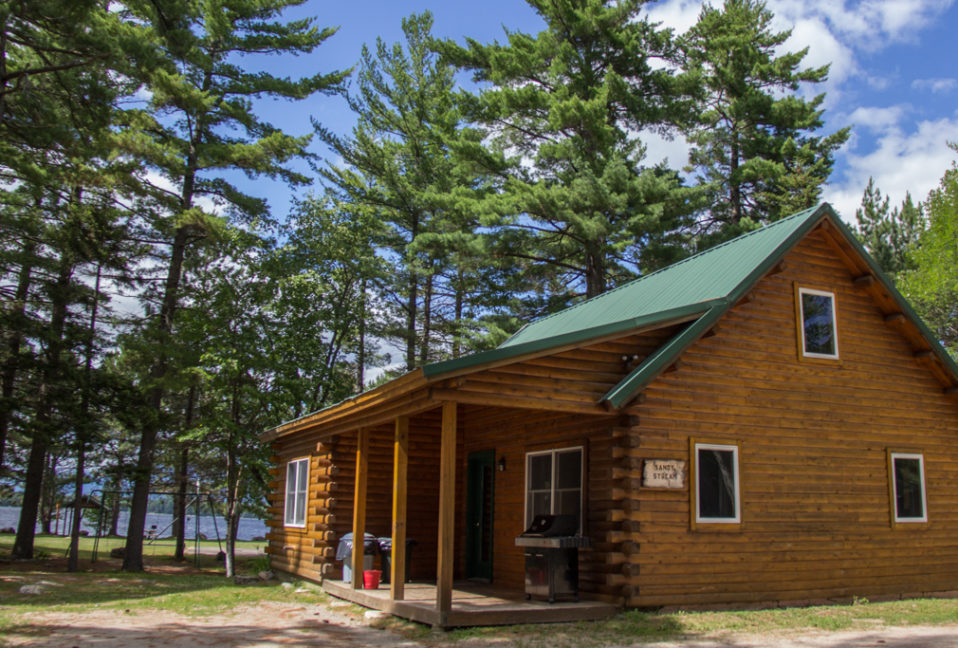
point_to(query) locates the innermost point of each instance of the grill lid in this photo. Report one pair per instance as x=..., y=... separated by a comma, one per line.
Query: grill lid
x=551, y=526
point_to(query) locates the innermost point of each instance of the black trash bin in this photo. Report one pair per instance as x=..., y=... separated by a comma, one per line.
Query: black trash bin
x=386, y=550
x=344, y=552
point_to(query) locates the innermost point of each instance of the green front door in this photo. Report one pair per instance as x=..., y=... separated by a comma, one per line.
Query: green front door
x=480, y=475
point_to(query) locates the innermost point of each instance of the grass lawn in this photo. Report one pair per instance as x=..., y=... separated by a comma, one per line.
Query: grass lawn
x=204, y=592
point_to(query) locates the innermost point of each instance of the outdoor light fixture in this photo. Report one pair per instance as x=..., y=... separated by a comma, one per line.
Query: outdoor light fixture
x=501, y=467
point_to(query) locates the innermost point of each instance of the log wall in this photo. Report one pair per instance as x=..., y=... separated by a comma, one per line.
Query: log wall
x=310, y=552
x=813, y=438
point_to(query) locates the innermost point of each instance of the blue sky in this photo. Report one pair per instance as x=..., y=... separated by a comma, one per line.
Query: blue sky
x=893, y=78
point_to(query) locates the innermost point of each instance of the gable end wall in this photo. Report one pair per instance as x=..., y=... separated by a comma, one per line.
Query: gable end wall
x=813, y=439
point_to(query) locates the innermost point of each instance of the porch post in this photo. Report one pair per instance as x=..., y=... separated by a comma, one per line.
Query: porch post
x=447, y=503
x=359, y=506
x=397, y=576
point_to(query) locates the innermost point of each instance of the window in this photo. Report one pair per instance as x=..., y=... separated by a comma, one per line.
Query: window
x=297, y=478
x=554, y=484
x=818, y=334
x=716, y=484
x=908, y=487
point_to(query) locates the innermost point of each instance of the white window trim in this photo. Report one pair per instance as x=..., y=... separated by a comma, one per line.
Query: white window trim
x=801, y=310
x=894, y=487
x=737, y=518
x=552, y=497
x=305, y=494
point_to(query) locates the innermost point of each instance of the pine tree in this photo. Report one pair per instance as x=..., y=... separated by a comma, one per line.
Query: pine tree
x=402, y=169
x=931, y=281
x=887, y=233
x=199, y=122
x=754, y=145
x=566, y=109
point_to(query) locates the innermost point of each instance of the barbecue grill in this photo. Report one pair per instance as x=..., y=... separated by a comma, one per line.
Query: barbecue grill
x=552, y=547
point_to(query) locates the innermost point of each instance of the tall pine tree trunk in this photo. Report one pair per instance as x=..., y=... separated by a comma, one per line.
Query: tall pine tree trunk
x=133, y=556
x=594, y=274
x=361, y=353
x=83, y=434
x=14, y=342
x=43, y=421
x=734, y=190
x=426, y=321
x=457, y=325
x=181, y=479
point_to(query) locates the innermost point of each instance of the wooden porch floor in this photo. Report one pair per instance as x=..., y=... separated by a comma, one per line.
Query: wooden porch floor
x=473, y=604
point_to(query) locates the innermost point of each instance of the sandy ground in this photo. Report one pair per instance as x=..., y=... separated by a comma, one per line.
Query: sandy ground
x=267, y=625
x=288, y=624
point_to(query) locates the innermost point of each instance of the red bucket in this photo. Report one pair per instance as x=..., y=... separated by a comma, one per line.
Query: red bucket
x=371, y=578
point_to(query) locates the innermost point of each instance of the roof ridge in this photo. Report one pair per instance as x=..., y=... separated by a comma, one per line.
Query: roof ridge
x=797, y=215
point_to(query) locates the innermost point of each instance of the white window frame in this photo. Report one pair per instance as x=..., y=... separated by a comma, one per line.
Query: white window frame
x=801, y=323
x=552, y=495
x=297, y=466
x=894, y=486
x=737, y=518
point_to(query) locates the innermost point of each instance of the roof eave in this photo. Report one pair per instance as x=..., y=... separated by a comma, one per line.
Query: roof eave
x=476, y=361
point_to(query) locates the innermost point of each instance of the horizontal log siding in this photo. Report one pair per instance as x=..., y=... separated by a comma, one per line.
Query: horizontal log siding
x=511, y=433
x=570, y=380
x=812, y=438
x=310, y=552
x=304, y=551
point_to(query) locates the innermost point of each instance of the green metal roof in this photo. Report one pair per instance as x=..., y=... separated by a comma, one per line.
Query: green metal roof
x=687, y=289
x=699, y=290
x=709, y=275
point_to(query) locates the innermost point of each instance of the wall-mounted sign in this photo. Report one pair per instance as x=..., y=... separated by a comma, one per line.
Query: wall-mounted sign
x=663, y=473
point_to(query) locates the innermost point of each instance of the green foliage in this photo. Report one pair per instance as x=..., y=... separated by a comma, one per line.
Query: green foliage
x=565, y=110
x=753, y=146
x=402, y=170
x=931, y=284
x=888, y=234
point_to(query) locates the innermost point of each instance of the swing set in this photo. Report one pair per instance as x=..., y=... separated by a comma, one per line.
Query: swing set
x=153, y=536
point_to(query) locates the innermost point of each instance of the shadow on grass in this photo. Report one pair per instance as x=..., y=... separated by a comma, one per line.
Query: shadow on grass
x=141, y=633
x=102, y=582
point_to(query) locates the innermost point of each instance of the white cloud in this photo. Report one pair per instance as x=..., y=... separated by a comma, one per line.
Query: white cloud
x=935, y=85
x=901, y=161
x=878, y=119
x=674, y=151
x=824, y=48
x=870, y=24
x=680, y=15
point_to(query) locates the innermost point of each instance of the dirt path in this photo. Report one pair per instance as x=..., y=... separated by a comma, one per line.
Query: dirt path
x=267, y=625
x=275, y=624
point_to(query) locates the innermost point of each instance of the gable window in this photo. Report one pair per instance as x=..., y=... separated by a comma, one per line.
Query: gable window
x=819, y=331
x=554, y=484
x=716, y=484
x=297, y=479
x=908, y=487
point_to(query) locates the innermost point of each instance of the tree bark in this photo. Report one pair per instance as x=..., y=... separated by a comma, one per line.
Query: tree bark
x=33, y=481
x=361, y=353
x=14, y=343
x=133, y=556
x=594, y=274
x=734, y=190
x=83, y=430
x=181, y=478
x=426, y=322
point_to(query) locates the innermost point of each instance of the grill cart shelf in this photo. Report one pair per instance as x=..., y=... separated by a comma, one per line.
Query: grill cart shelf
x=552, y=557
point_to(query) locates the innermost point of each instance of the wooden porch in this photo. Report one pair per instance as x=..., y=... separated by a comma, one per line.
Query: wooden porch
x=473, y=604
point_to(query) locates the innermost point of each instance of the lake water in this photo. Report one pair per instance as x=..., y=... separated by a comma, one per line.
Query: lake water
x=249, y=528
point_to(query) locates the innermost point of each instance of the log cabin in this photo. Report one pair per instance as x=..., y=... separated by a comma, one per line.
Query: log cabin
x=767, y=422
